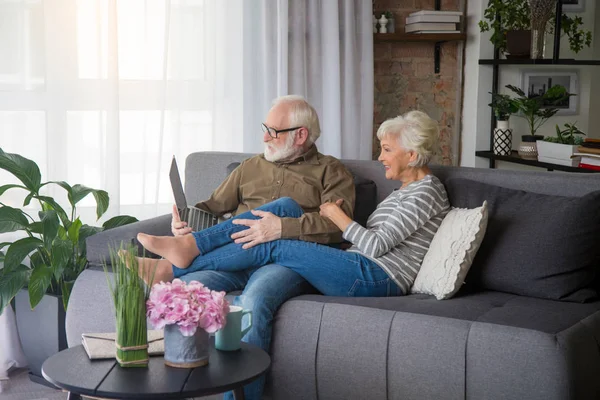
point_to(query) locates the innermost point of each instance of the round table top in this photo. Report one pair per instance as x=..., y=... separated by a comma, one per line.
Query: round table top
x=72, y=370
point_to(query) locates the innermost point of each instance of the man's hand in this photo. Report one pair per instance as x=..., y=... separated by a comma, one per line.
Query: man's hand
x=265, y=229
x=178, y=227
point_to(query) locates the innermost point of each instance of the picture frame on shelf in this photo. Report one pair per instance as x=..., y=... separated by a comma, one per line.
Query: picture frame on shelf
x=573, y=5
x=538, y=81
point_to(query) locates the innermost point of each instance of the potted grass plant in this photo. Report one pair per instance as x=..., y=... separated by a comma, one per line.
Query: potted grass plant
x=559, y=149
x=129, y=294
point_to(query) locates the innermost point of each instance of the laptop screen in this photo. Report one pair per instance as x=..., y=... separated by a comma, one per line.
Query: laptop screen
x=176, y=185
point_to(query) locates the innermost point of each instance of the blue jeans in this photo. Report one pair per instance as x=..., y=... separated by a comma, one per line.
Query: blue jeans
x=265, y=290
x=332, y=271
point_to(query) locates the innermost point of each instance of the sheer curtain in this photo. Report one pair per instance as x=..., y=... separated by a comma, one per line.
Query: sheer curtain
x=321, y=49
x=104, y=92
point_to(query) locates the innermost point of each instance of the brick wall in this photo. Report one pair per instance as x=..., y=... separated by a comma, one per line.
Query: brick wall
x=405, y=78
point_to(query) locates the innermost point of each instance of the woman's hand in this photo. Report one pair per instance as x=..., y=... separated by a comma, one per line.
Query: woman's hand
x=334, y=212
x=329, y=209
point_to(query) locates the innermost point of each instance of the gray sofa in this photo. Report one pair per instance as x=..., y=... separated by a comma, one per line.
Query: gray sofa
x=481, y=344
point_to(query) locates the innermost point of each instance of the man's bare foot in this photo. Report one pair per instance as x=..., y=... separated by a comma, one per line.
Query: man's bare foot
x=150, y=270
x=180, y=250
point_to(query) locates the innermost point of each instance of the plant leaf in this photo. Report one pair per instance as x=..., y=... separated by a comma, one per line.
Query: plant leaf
x=4, y=188
x=67, y=287
x=73, y=231
x=102, y=201
x=60, y=254
x=24, y=169
x=12, y=219
x=20, y=249
x=39, y=281
x=28, y=199
x=49, y=221
x=49, y=201
x=119, y=220
x=11, y=282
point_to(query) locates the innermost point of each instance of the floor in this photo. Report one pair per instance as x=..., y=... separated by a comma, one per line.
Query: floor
x=19, y=387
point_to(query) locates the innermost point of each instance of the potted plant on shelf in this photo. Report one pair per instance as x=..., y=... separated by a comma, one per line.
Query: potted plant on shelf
x=559, y=149
x=41, y=267
x=503, y=107
x=510, y=24
x=536, y=110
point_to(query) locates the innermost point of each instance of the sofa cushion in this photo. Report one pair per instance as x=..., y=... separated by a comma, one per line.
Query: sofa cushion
x=535, y=245
x=451, y=252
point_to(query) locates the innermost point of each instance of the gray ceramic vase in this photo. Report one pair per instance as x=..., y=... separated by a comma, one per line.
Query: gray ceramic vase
x=185, y=351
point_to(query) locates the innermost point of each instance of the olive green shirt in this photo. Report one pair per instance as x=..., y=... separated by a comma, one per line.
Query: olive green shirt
x=311, y=180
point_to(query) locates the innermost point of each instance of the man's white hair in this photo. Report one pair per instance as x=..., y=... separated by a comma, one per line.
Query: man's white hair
x=301, y=114
x=415, y=131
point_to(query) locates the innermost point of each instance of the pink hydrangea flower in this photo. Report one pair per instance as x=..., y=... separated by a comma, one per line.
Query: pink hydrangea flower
x=189, y=305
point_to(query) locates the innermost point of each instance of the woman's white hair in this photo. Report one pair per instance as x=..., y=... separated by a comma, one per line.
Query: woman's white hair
x=301, y=114
x=415, y=131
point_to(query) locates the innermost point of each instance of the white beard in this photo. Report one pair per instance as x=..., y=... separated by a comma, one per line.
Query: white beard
x=287, y=151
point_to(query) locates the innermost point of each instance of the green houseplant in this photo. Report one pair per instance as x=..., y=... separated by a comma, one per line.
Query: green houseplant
x=515, y=15
x=53, y=248
x=537, y=109
x=503, y=107
x=559, y=149
x=566, y=135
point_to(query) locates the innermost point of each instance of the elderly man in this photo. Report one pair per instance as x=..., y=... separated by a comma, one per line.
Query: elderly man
x=292, y=167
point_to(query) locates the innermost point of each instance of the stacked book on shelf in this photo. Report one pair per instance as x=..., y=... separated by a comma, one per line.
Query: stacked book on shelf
x=429, y=21
x=589, y=152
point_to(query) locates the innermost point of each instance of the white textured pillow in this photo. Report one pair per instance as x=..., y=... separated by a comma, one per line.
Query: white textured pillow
x=451, y=252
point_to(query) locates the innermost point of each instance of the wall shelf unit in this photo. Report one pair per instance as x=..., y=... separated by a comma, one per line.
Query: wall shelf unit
x=496, y=62
x=419, y=37
x=515, y=158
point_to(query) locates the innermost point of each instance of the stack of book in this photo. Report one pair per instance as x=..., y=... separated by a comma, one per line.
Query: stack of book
x=428, y=21
x=589, y=152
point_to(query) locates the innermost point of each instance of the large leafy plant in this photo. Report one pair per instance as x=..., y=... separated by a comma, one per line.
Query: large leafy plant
x=52, y=254
x=502, y=16
x=537, y=109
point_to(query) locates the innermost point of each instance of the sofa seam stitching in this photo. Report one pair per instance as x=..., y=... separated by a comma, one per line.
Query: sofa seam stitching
x=387, y=359
x=317, y=353
x=466, y=349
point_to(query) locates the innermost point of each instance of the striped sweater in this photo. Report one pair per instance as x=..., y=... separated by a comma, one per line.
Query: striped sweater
x=401, y=228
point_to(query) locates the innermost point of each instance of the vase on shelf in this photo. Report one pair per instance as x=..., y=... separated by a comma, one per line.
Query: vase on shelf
x=383, y=24
x=391, y=28
x=528, y=146
x=185, y=351
x=541, y=12
x=502, y=138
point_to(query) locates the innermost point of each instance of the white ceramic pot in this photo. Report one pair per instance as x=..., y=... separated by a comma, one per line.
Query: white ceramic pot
x=502, y=139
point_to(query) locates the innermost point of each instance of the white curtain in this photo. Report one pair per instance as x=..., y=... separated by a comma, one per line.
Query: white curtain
x=321, y=49
x=104, y=92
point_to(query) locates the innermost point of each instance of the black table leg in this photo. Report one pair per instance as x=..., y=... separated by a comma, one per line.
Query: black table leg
x=73, y=396
x=238, y=393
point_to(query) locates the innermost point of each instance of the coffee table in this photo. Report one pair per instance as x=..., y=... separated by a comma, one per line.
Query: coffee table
x=73, y=371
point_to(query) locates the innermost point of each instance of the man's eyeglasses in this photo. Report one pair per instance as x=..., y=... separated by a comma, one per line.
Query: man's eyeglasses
x=275, y=132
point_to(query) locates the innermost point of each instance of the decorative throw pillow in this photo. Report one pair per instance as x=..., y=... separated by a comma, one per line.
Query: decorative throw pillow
x=451, y=252
x=536, y=245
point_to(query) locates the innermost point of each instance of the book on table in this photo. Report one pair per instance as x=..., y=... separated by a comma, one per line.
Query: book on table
x=430, y=26
x=99, y=346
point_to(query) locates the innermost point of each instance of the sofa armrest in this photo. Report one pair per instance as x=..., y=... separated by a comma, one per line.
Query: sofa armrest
x=98, y=244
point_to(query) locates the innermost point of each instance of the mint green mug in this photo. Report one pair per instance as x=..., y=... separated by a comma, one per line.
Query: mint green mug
x=230, y=336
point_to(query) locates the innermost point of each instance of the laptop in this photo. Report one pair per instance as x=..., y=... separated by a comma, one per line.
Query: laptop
x=196, y=218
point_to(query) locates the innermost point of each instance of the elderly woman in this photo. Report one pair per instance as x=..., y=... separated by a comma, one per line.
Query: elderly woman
x=386, y=254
